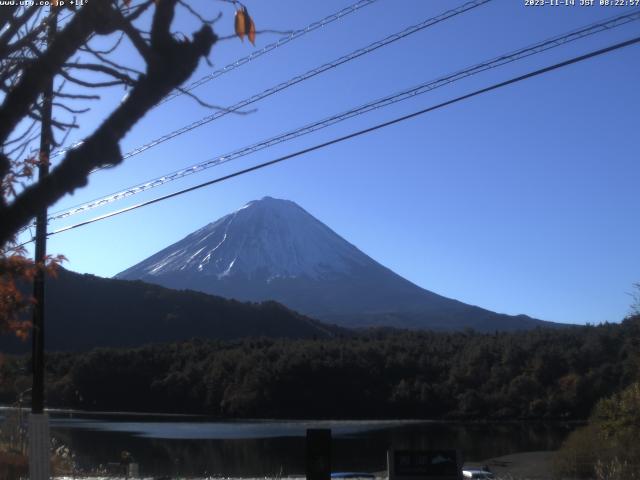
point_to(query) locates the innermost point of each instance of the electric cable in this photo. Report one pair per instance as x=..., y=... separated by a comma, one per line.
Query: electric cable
x=252, y=56
x=358, y=133
x=302, y=77
x=360, y=110
x=272, y=46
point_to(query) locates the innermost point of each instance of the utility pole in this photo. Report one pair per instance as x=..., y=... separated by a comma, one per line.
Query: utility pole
x=39, y=439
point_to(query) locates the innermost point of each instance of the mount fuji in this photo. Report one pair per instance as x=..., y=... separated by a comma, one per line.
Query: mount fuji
x=272, y=249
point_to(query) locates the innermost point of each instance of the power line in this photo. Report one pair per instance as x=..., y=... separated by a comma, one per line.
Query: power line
x=252, y=56
x=360, y=110
x=306, y=76
x=358, y=133
x=272, y=46
x=310, y=74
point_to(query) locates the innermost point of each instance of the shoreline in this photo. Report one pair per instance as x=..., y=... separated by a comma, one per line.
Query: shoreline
x=478, y=421
x=534, y=465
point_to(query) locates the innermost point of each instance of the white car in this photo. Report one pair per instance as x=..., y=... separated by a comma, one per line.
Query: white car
x=477, y=473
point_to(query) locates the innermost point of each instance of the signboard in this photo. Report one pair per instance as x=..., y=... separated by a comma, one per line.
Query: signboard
x=424, y=464
x=318, y=454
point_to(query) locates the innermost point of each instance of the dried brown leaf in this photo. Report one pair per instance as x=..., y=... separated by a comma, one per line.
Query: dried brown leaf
x=240, y=23
x=251, y=31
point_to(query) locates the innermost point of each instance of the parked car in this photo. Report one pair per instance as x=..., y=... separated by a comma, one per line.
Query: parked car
x=477, y=473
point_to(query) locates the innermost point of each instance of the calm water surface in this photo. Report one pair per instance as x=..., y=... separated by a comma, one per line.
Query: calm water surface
x=196, y=446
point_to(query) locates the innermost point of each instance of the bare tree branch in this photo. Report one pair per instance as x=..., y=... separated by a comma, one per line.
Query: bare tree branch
x=197, y=15
x=6, y=14
x=169, y=64
x=91, y=84
x=102, y=57
x=77, y=96
x=96, y=67
x=139, y=10
x=18, y=101
x=214, y=107
x=23, y=135
x=136, y=39
x=15, y=23
x=108, y=50
x=69, y=109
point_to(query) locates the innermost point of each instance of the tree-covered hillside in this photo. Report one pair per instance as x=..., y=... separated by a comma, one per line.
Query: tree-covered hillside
x=536, y=374
x=85, y=312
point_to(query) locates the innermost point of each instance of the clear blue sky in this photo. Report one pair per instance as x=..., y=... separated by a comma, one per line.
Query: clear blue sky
x=524, y=200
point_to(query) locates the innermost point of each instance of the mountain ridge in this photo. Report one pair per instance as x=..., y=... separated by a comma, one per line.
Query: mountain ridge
x=85, y=311
x=273, y=249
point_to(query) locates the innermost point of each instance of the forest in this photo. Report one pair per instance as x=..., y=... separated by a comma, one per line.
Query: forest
x=82, y=314
x=537, y=374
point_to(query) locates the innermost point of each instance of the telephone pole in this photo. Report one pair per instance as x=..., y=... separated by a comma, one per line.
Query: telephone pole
x=39, y=439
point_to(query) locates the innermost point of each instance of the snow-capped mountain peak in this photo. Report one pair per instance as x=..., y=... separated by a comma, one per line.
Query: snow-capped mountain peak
x=264, y=239
x=272, y=249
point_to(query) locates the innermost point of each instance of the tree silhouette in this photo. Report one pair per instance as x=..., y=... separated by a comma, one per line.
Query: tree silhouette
x=32, y=54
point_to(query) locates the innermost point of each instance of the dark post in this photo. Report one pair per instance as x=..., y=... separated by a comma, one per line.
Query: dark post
x=37, y=405
x=46, y=140
x=38, y=422
x=318, y=465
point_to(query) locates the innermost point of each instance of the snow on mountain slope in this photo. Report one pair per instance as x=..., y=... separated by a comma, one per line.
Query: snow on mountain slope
x=265, y=239
x=272, y=249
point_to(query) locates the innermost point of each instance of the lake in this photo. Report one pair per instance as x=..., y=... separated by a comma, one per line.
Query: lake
x=198, y=446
